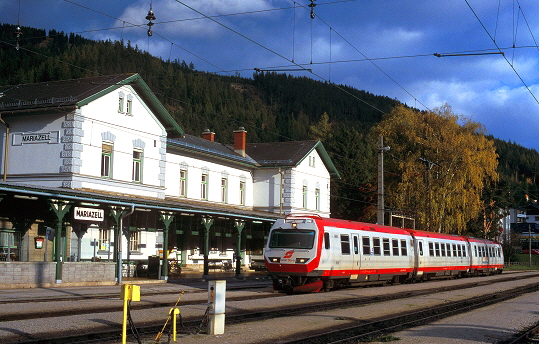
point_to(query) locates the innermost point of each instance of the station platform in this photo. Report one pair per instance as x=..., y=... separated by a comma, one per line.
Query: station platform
x=188, y=282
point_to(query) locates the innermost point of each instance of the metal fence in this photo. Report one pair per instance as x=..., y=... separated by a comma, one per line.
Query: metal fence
x=506, y=264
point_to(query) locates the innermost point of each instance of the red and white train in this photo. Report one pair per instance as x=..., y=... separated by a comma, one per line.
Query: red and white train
x=310, y=253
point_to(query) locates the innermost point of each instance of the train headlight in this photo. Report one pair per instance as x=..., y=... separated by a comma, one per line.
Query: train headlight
x=274, y=259
x=301, y=260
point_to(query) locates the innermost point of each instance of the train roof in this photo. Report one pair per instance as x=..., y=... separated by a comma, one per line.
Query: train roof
x=340, y=223
x=436, y=235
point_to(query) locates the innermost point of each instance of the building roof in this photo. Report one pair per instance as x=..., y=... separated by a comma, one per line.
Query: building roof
x=94, y=196
x=209, y=148
x=289, y=154
x=68, y=94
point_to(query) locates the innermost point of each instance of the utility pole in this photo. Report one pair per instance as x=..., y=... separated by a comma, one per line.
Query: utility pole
x=380, y=208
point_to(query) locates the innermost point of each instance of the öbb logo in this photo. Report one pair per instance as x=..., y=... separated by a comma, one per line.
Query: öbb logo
x=288, y=254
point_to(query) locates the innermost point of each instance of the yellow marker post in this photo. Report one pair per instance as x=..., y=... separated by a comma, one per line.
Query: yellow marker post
x=129, y=293
x=174, y=312
x=170, y=314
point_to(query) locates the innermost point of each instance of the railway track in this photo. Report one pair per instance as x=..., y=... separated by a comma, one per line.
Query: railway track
x=387, y=325
x=282, y=309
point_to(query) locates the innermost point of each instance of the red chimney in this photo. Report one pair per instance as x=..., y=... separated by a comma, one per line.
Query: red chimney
x=208, y=135
x=240, y=141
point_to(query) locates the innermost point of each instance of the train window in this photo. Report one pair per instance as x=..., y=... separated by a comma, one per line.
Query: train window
x=448, y=249
x=475, y=251
x=431, y=249
x=443, y=249
x=454, y=250
x=437, y=249
x=376, y=246
x=356, y=248
x=387, y=250
x=395, y=244
x=463, y=251
x=404, y=250
x=459, y=250
x=366, y=241
x=285, y=238
x=345, y=244
x=326, y=241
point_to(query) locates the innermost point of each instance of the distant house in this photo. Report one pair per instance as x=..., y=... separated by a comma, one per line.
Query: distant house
x=107, y=145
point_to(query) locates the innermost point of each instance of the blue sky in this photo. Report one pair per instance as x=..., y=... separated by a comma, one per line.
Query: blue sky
x=385, y=47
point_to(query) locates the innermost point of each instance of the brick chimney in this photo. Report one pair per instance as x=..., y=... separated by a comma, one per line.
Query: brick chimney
x=208, y=135
x=240, y=141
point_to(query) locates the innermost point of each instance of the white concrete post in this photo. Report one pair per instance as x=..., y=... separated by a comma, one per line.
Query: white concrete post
x=216, y=301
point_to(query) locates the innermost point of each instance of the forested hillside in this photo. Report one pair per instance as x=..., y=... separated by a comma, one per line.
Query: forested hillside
x=272, y=107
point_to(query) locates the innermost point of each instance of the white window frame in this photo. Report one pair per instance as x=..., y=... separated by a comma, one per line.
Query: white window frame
x=242, y=192
x=204, y=186
x=183, y=182
x=138, y=157
x=134, y=241
x=317, y=198
x=224, y=189
x=104, y=239
x=121, y=103
x=304, y=196
x=106, y=159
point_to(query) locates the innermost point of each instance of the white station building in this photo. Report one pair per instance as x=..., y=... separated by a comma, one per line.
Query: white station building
x=82, y=159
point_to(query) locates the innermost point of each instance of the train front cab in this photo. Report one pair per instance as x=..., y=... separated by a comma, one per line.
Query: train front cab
x=292, y=254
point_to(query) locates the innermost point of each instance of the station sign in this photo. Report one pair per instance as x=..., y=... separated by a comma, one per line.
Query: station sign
x=20, y=139
x=89, y=214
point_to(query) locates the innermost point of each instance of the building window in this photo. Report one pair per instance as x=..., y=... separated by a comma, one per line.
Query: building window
x=312, y=161
x=121, y=103
x=103, y=240
x=106, y=160
x=134, y=240
x=304, y=194
x=317, y=198
x=224, y=191
x=204, y=187
x=242, y=193
x=137, y=166
x=129, y=110
x=183, y=183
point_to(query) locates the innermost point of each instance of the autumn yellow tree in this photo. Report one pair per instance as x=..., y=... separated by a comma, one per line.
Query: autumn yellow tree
x=439, y=164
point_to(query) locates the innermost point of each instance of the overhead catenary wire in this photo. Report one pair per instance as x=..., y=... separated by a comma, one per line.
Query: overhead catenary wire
x=499, y=49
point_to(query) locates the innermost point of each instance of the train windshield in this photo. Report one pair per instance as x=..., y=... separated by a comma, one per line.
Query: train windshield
x=285, y=238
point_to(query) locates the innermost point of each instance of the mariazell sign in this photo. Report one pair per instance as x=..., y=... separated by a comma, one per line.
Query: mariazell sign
x=88, y=214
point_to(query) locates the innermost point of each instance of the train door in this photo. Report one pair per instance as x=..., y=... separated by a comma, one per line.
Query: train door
x=419, y=257
x=355, y=253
